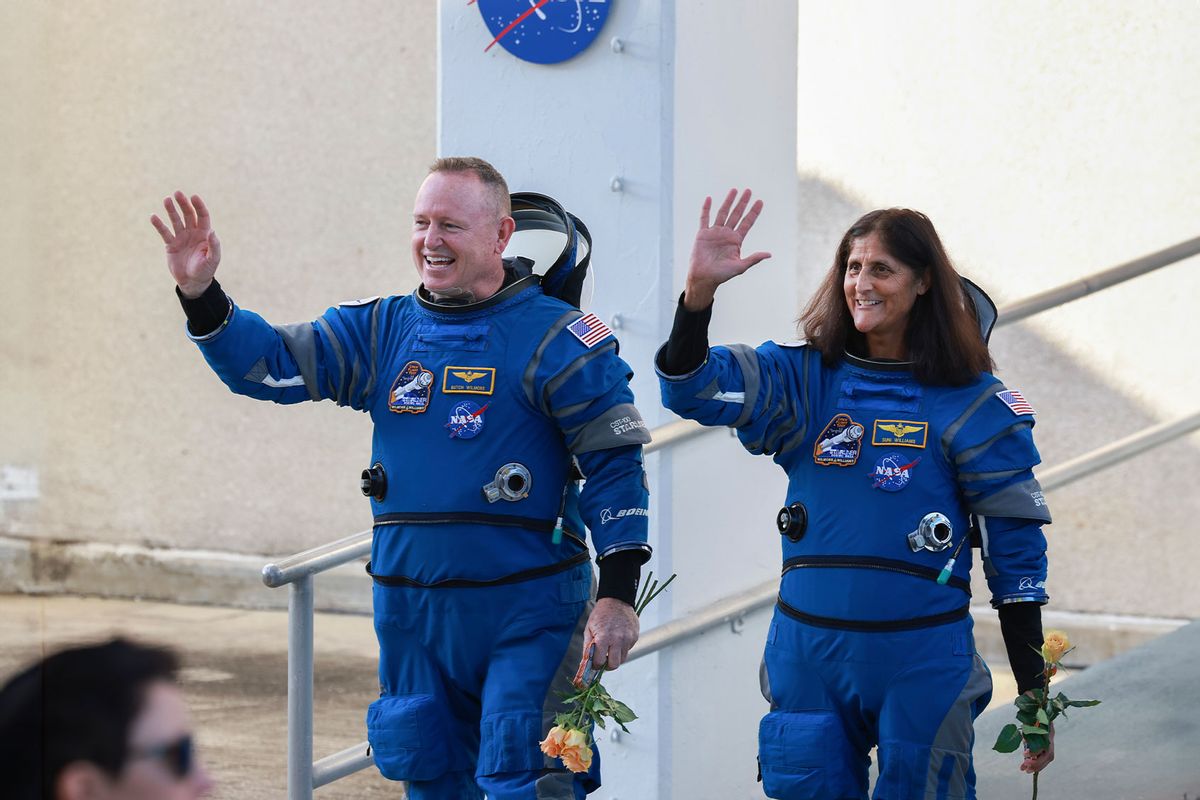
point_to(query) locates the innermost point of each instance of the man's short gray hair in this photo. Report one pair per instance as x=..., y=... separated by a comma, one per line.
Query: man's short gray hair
x=489, y=175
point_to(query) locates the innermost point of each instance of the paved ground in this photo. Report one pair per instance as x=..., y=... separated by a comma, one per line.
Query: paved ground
x=235, y=679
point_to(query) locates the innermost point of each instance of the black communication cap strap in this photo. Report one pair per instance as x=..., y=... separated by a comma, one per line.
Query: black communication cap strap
x=982, y=305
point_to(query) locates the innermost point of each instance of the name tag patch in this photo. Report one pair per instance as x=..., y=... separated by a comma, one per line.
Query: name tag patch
x=469, y=380
x=899, y=433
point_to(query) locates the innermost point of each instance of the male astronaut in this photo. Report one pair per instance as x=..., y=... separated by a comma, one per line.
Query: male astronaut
x=485, y=395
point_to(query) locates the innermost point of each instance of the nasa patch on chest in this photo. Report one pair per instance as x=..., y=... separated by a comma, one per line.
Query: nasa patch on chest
x=411, y=389
x=893, y=472
x=839, y=443
x=466, y=419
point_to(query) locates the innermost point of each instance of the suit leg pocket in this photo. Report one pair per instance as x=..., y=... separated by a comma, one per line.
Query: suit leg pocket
x=509, y=743
x=409, y=737
x=801, y=755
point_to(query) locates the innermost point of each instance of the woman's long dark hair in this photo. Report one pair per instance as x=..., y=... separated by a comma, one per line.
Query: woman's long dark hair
x=943, y=338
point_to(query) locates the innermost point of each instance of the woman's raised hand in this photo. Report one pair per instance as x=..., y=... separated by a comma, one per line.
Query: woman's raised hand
x=717, y=250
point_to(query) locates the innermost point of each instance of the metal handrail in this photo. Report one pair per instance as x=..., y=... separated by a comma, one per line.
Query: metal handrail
x=318, y=559
x=1059, y=295
x=298, y=570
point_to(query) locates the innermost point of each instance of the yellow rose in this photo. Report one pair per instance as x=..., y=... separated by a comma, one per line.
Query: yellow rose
x=1054, y=646
x=576, y=755
x=552, y=745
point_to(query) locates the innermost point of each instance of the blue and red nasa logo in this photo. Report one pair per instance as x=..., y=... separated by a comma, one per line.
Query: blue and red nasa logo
x=466, y=419
x=893, y=472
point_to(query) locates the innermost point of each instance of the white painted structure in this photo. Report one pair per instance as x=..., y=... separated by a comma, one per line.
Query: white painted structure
x=675, y=100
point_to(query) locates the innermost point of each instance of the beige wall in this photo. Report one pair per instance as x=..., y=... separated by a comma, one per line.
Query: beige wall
x=1046, y=141
x=306, y=127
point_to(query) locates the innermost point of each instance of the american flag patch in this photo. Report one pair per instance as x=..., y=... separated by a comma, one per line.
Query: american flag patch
x=589, y=329
x=1015, y=401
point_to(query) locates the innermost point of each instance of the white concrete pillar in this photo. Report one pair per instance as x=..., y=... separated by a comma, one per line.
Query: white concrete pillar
x=672, y=101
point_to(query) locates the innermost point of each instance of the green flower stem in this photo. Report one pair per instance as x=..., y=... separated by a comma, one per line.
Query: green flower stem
x=1045, y=704
x=583, y=712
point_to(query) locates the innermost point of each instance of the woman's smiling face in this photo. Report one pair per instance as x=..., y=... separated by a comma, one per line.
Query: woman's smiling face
x=880, y=293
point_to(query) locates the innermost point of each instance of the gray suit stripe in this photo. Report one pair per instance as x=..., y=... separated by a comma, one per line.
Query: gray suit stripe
x=335, y=390
x=301, y=341
x=1022, y=500
x=798, y=437
x=747, y=359
x=570, y=411
x=371, y=374
x=990, y=476
x=954, y=427
x=979, y=449
x=782, y=429
x=556, y=383
x=355, y=376
x=956, y=734
x=536, y=360
x=602, y=434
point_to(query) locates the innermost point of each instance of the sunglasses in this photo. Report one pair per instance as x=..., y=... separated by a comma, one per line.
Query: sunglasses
x=177, y=756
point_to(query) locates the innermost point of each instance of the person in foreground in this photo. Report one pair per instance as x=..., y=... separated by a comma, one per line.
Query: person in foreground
x=898, y=444
x=99, y=722
x=485, y=395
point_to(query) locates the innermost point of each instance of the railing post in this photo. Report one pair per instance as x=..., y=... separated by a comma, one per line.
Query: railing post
x=300, y=690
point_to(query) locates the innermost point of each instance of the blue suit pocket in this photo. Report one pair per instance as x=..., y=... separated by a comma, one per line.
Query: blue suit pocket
x=509, y=743
x=801, y=754
x=408, y=736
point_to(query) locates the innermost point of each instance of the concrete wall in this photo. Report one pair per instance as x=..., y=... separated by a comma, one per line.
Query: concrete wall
x=307, y=128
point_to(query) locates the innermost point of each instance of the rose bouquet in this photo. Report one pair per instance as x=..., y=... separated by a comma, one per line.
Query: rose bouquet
x=1036, y=709
x=570, y=740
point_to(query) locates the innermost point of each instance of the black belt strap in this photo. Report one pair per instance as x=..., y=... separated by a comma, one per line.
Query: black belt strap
x=472, y=518
x=869, y=562
x=444, y=517
x=464, y=583
x=872, y=626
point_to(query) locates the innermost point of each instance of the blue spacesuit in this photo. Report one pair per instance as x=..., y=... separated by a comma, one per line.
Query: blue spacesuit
x=867, y=646
x=481, y=569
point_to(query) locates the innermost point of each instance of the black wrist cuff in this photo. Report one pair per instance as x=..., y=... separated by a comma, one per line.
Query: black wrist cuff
x=687, y=346
x=207, y=312
x=620, y=573
x=1021, y=626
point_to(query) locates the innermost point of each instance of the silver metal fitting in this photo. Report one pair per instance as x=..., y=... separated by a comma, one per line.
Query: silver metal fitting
x=512, y=483
x=933, y=534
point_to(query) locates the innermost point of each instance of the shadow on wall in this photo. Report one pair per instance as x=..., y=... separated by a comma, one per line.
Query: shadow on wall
x=1119, y=541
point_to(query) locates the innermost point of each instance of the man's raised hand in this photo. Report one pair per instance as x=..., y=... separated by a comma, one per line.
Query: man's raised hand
x=193, y=250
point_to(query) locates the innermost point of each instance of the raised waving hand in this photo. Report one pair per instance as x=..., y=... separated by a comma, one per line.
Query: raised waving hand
x=193, y=250
x=717, y=250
